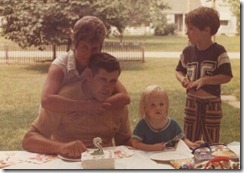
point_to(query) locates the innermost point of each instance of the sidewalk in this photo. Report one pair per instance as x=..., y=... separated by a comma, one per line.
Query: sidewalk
x=231, y=100
x=232, y=55
x=20, y=54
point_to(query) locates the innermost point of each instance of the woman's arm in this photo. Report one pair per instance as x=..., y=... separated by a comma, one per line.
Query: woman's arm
x=52, y=101
x=120, y=98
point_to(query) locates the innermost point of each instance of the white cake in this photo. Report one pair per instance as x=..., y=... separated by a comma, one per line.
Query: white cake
x=104, y=161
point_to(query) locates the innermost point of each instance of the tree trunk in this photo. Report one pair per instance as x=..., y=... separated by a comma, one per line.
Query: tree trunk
x=54, y=51
x=69, y=44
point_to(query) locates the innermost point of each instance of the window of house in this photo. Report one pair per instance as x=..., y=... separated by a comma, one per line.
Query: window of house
x=224, y=22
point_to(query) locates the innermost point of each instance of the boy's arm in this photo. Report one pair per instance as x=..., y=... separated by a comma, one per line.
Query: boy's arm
x=192, y=144
x=120, y=98
x=210, y=80
x=181, y=77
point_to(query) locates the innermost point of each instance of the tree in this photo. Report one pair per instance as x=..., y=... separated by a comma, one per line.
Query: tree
x=146, y=12
x=235, y=8
x=37, y=23
x=22, y=21
x=49, y=22
x=114, y=14
x=158, y=17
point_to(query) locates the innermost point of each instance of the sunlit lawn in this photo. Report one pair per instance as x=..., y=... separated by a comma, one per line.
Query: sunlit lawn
x=166, y=43
x=177, y=43
x=21, y=87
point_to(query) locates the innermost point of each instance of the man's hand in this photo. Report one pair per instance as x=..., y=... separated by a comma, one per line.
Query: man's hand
x=72, y=149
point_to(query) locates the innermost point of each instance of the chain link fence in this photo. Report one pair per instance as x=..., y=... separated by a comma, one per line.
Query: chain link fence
x=123, y=51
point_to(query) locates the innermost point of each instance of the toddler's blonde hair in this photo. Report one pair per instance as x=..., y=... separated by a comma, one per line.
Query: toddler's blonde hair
x=145, y=96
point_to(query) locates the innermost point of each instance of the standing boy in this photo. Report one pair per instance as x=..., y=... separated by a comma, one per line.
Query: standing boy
x=202, y=68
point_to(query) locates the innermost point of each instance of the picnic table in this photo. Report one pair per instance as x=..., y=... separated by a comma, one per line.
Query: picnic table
x=127, y=158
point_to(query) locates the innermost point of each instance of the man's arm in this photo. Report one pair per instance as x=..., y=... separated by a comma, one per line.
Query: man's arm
x=34, y=141
x=123, y=136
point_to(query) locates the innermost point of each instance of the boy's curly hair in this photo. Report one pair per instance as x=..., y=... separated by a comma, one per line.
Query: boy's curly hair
x=203, y=17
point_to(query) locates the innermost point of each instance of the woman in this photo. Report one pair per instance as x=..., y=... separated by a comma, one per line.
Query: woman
x=88, y=36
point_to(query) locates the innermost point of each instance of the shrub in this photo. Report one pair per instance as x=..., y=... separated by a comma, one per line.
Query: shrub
x=165, y=29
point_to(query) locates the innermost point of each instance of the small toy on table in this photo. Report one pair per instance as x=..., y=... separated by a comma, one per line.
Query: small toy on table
x=97, y=159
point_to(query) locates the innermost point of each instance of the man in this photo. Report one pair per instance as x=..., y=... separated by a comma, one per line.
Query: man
x=70, y=134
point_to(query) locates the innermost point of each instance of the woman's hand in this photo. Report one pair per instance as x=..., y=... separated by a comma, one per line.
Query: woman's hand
x=95, y=108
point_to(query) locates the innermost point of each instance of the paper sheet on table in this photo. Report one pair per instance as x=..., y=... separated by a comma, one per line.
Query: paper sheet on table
x=134, y=159
x=8, y=158
x=182, y=152
x=139, y=161
x=36, y=158
x=122, y=152
x=235, y=147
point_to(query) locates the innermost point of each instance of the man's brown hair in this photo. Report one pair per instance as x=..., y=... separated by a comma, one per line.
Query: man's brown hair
x=103, y=61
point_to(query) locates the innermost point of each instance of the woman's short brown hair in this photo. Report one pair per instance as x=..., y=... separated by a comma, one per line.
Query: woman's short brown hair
x=89, y=28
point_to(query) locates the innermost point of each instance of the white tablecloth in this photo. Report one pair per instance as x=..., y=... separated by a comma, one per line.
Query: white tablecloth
x=138, y=160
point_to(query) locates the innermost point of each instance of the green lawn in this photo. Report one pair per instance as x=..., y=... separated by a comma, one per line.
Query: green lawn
x=164, y=43
x=21, y=87
x=177, y=43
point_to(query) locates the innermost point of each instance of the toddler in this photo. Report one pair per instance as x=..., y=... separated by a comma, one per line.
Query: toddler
x=156, y=128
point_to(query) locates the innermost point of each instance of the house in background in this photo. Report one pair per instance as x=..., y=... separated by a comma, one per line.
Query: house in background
x=179, y=8
x=228, y=22
x=177, y=11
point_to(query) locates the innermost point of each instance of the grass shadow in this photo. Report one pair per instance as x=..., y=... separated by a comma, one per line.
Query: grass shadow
x=42, y=67
x=132, y=66
x=125, y=66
